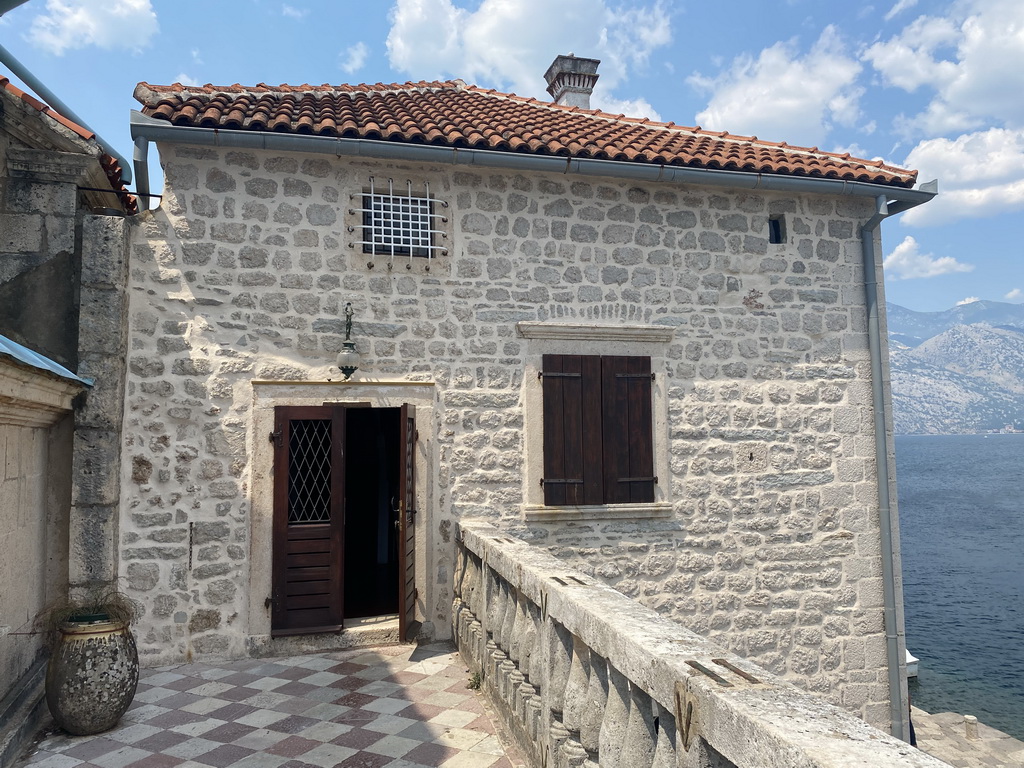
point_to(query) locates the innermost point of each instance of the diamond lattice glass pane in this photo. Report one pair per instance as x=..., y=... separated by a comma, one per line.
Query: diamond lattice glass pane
x=309, y=471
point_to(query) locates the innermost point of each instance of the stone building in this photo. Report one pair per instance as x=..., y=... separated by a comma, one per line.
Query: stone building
x=653, y=351
x=63, y=239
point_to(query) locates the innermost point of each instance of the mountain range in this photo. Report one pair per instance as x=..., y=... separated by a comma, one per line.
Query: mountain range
x=957, y=371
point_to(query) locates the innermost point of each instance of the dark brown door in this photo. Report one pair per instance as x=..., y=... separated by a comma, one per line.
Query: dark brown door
x=309, y=520
x=408, y=627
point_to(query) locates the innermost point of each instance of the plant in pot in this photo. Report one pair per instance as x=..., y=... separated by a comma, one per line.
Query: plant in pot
x=93, y=669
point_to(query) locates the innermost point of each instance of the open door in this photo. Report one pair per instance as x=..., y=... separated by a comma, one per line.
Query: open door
x=408, y=627
x=344, y=517
x=309, y=520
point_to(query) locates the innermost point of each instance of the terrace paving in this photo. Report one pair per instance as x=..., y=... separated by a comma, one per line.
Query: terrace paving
x=388, y=707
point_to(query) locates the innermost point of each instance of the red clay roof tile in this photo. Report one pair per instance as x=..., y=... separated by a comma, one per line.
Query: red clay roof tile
x=451, y=113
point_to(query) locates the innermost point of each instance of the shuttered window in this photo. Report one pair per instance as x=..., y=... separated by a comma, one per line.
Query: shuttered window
x=598, y=436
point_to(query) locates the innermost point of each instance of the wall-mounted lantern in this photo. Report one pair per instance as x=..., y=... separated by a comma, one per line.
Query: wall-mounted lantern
x=348, y=358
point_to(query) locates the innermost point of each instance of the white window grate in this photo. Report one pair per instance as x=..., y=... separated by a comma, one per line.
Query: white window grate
x=396, y=224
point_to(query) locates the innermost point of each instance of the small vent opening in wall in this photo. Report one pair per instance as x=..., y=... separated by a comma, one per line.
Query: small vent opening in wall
x=777, y=229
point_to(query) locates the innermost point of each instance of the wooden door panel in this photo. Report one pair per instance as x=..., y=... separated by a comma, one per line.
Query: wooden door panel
x=408, y=627
x=308, y=588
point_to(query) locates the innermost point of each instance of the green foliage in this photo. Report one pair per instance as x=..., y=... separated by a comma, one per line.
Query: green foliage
x=99, y=603
x=474, y=682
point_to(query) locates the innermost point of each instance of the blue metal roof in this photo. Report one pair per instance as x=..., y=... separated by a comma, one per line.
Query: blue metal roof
x=25, y=355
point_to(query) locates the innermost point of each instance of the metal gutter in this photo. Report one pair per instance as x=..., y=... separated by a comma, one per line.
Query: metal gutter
x=152, y=129
x=45, y=94
x=889, y=201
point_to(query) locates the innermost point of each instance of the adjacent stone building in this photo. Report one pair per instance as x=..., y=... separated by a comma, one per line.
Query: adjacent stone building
x=63, y=239
x=645, y=348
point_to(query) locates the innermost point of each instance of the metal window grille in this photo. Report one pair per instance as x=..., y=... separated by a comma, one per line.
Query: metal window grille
x=309, y=471
x=396, y=224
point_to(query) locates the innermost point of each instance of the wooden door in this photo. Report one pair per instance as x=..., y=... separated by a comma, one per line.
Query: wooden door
x=309, y=520
x=408, y=627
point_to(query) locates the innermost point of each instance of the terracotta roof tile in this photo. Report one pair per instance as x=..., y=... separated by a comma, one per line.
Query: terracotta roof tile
x=110, y=165
x=451, y=113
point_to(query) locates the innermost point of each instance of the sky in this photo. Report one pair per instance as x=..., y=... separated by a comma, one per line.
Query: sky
x=933, y=85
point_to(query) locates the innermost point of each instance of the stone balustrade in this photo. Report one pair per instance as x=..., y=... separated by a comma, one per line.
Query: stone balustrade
x=584, y=676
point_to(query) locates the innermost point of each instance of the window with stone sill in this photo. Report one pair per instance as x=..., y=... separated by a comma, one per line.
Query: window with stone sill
x=399, y=223
x=596, y=428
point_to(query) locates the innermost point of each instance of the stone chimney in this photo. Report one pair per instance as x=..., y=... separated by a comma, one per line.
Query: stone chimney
x=571, y=80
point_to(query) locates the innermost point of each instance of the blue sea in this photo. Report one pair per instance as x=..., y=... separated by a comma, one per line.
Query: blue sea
x=961, y=506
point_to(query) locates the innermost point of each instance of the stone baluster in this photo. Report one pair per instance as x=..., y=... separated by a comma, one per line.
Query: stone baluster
x=475, y=641
x=576, y=686
x=616, y=716
x=530, y=647
x=516, y=681
x=574, y=754
x=593, y=710
x=516, y=636
x=497, y=613
x=460, y=569
x=665, y=751
x=508, y=620
x=505, y=670
x=560, y=660
x=534, y=712
x=639, y=741
x=558, y=735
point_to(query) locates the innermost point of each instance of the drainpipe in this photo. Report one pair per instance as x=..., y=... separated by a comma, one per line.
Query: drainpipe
x=141, y=159
x=891, y=595
x=8, y=60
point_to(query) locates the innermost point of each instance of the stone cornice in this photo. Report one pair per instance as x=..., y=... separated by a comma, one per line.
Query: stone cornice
x=592, y=332
x=31, y=398
x=48, y=165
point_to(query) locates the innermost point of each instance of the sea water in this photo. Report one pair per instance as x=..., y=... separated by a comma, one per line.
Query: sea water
x=961, y=508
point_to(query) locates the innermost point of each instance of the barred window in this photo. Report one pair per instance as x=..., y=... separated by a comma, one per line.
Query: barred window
x=399, y=223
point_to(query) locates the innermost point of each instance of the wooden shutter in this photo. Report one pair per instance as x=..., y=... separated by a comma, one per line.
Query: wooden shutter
x=408, y=626
x=308, y=520
x=572, y=430
x=628, y=431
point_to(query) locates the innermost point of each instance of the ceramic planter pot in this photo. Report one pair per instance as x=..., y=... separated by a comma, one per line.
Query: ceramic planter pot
x=92, y=674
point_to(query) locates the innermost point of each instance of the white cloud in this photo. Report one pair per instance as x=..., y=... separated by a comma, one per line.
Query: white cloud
x=907, y=262
x=352, y=58
x=784, y=95
x=1015, y=294
x=980, y=174
x=294, y=13
x=70, y=24
x=900, y=7
x=968, y=300
x=630, y=107
x=186, y=79
x=510, y=43
x=973, y=60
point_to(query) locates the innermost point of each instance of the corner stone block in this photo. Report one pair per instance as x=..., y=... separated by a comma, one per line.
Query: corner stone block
x=104, y=250
x=96, y=466
x=104, y=400
x=92, y=537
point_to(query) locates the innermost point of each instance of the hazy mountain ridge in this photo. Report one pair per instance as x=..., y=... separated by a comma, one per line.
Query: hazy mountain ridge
x=957, y=371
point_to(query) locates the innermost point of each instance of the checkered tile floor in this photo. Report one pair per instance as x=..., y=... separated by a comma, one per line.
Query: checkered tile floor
x=396, y=706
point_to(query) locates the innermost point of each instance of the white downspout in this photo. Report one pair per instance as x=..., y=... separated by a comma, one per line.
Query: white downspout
x=894, y=629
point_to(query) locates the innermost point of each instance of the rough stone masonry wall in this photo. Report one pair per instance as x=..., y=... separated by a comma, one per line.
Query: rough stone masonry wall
x=773, y=546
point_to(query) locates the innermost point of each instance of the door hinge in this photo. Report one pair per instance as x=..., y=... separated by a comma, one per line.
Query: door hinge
x=267, y=602
x=275, y=437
